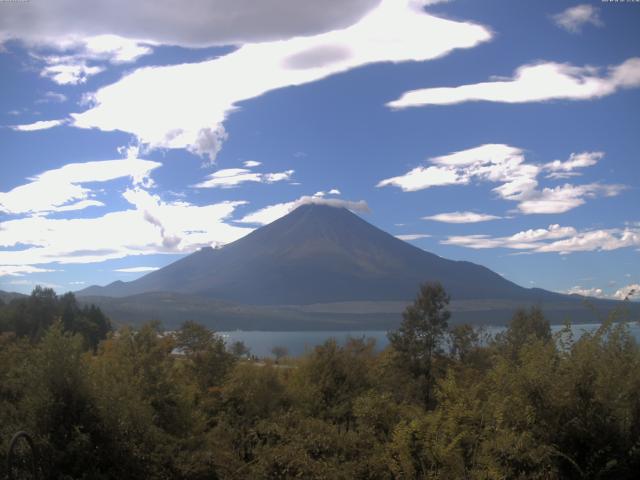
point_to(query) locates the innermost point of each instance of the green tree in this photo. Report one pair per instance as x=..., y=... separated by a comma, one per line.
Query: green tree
x=239, y=349
x=279, y=352
x=328, y=380
x=207, y=357
x=420, y=336
x=525, y=326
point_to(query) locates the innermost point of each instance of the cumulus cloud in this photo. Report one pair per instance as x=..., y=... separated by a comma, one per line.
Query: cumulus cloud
x=184, y=106
x=273, y=212
x=39, y=125
x=232, y=177
x=62, y=189
x=208, y=143
x=20, y=270
x=554, y=239
x=631, y=292
x=412, y=236
x=574, y=18
x=533, y=83
x=518, y=179
x=462, y=217
x=136, y=269
x=586, y=292
x=68, y=70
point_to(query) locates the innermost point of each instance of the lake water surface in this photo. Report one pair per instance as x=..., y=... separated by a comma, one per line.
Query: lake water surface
x=297, y=343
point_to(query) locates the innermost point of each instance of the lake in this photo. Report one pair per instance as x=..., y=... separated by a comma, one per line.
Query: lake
x=297, y=343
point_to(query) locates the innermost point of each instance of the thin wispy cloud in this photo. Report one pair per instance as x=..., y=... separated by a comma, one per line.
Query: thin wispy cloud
x=21, y=270
x=573, y=19
x=251, y=164
x=271, y=213
x=39, y=125
x=52, y=97
x=408, y=237
x=539, y=82
x=567, y=168
x=136, y=269
x=554, y=239
x=461, y=217
x=233, y=177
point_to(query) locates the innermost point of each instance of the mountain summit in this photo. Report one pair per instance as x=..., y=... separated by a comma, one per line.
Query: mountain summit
x=319, y=254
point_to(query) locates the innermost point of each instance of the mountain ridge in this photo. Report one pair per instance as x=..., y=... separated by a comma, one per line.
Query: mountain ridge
x=318, y=254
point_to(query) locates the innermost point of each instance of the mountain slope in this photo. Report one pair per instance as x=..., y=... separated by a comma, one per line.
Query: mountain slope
x=319, y=254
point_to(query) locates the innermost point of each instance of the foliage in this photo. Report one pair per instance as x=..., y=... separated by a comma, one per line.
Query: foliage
x=419, y=338
x=145, y=403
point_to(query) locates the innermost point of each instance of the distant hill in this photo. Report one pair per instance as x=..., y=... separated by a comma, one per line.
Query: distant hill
x=174, y=308
x=319, y=254
x=6, y=297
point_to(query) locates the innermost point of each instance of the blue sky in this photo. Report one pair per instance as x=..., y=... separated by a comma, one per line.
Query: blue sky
x=500, y=132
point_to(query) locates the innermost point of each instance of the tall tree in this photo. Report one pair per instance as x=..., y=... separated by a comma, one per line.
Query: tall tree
x=419, y=338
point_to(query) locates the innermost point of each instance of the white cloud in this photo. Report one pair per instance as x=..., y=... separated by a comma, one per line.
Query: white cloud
x=586, y=292
x=251, y=164
x=334, y=191
x=202, y=23
x=278, y=177
x=40, y=125
x=566, y=197
x=68, y=70
x=232, y=177
x=595, y=240
x=113, y=48
x=424, y=177
x=152, y=226
x=574, y=18
x=554, y=239
x=412, y=236
x=506, y=165
x=461, y=217
x=183, y=106
x=630, y=291
x=136, y=269
x=54, y=97
x=565, y=169
x=20, y=270
x=61, y=189
x=77, y=58
x=533, y=83
x=208, y=143
x=273, y=212
x=431, y=2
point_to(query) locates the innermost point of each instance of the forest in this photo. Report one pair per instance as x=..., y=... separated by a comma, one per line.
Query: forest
x=441, y=401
